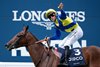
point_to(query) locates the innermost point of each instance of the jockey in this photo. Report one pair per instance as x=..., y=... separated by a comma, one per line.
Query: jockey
x=66, y=24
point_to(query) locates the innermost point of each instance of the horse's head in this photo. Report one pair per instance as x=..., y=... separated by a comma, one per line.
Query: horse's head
x=18, y=40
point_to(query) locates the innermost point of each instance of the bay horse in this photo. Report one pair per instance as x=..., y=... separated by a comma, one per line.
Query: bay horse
x=46, y=58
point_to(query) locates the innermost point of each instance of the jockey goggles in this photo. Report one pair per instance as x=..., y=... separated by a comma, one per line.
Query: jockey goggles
x=51, y=15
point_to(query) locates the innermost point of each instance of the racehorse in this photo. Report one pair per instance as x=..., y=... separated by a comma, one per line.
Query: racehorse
x=43, y=57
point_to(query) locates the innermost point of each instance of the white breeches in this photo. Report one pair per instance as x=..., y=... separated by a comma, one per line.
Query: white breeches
x=72, y=37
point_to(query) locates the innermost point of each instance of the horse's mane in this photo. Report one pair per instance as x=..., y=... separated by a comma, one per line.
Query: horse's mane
x=33, y=35
x=35, y=38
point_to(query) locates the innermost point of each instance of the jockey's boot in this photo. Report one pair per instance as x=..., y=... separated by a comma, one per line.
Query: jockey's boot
x=66, y=55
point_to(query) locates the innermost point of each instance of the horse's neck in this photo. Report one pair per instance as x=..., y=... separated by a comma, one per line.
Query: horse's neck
x=35, y=51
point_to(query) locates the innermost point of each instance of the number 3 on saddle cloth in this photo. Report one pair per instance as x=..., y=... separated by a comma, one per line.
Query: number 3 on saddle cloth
x=75, y=58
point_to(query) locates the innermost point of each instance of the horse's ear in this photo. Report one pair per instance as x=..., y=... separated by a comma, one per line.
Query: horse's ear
x=25, y=28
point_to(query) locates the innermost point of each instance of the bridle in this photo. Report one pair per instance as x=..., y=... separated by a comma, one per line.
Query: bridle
x=20, y=37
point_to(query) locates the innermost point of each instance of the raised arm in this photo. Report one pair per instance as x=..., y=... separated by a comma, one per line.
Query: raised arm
x=63, y=14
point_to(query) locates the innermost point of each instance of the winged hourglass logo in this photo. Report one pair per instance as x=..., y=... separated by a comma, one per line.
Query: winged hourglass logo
x=48, y=25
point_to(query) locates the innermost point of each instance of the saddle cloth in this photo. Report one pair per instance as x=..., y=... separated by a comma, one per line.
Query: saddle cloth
x=75, y=58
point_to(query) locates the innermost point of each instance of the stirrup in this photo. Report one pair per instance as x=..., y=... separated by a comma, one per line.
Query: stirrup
x=65, y=63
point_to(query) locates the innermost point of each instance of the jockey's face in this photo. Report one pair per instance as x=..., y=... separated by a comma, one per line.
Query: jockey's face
x=52, y=17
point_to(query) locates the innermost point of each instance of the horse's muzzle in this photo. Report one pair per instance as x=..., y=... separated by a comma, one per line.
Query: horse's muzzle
x=9, y=47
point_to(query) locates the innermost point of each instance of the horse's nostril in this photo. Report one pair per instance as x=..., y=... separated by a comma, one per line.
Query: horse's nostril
x=6, y=46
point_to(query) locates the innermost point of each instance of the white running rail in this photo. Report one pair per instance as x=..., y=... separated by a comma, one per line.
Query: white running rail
x=16, y=64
